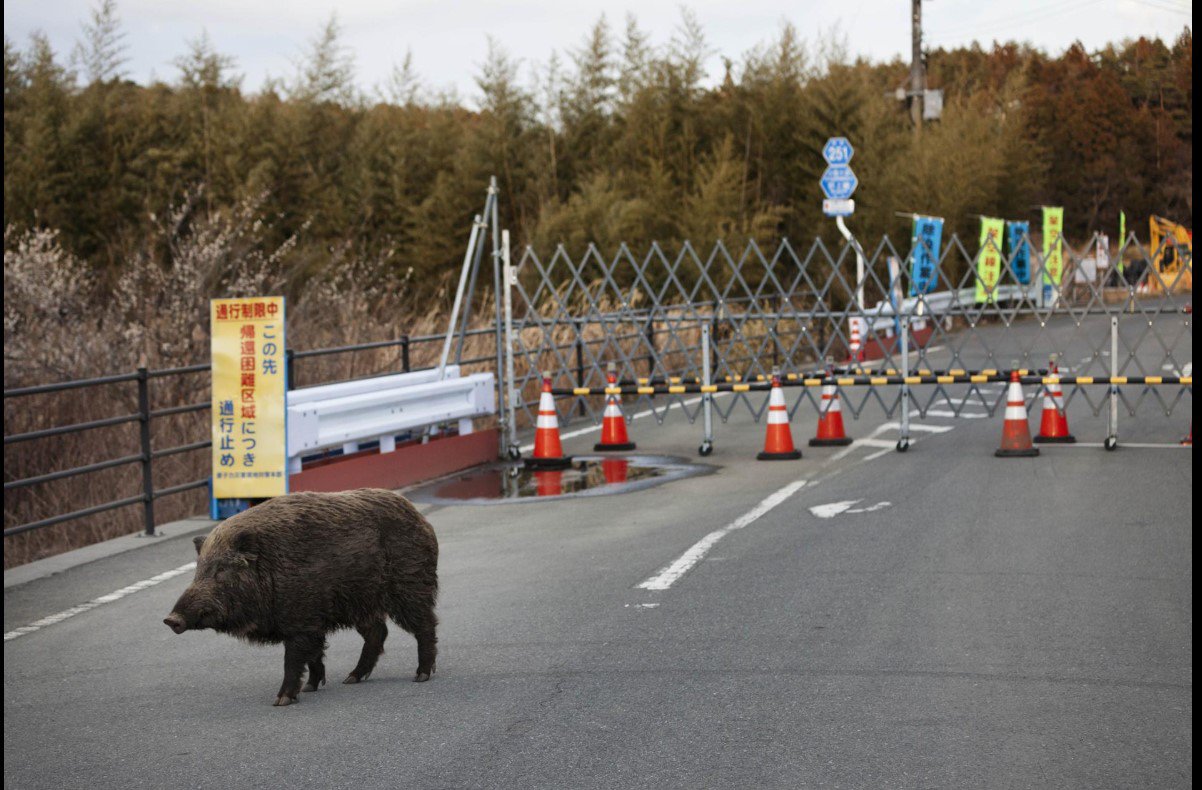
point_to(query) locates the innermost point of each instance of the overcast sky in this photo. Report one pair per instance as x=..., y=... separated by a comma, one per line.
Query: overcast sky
x=448, y=37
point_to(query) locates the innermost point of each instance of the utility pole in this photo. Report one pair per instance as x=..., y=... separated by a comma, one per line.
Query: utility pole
x=917, y=72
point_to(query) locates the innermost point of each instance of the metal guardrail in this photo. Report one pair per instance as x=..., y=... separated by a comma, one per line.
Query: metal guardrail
x=145, y=416
x=349, y=413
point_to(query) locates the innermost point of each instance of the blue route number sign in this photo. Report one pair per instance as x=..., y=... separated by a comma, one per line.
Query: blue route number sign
x=837, y=151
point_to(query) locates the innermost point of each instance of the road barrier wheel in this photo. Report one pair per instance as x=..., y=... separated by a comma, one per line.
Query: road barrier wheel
x=903, y=445
x=1111, y=443
x=705, y=449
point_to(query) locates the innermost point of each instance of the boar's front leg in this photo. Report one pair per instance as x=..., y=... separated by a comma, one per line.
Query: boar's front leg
x=299, y=650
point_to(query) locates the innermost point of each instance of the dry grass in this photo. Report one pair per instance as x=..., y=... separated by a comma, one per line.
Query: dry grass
x=61, y=325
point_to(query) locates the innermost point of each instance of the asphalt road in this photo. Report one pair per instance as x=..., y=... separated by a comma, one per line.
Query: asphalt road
x=995, y=623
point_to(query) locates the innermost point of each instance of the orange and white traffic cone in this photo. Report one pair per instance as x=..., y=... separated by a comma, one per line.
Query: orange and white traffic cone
x=613, y=424
x=1053, y=425
x=855, y=345
x=548, y=451
x=778, y=444
x=1016, y=437
x=830, y=418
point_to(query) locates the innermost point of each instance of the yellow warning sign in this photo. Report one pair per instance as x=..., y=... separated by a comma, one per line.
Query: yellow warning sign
x=250, y=458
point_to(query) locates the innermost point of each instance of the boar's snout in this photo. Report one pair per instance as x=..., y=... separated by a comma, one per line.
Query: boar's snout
x=175, y=623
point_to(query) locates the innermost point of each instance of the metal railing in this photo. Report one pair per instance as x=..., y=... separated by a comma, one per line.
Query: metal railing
x=146, y=414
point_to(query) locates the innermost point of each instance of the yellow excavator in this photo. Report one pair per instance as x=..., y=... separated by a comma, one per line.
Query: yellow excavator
x=1172, y=257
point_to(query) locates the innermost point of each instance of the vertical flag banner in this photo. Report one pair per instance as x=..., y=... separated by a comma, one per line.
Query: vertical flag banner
x=989, y=259
x=1122, y=239
x=1020, y=250
x=925, y=238
x=249, y=455
x=1053, y=245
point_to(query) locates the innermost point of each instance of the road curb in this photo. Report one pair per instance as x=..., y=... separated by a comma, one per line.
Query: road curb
x=40, y=569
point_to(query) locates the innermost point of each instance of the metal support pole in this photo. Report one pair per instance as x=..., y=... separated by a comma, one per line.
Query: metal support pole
x=404, y=354
x=510, y=400
x=1112, y=438
x=580, y=372
x=707, y=399
x=713, y=355
x=473, y=239
x=289, y=369
x=859, y=263
x=649, y=338
x=144, y=435
x=504, y=377
x=471, y=287
x=903, y=441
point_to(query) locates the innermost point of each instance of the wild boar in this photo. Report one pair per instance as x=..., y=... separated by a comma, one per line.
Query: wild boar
x=297, y=567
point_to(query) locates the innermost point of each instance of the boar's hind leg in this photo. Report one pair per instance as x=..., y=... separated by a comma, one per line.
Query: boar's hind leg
x=317, y=671
x=299, y=650
x=373, y=635
x=419, y=619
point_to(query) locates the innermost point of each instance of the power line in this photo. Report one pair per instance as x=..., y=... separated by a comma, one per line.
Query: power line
x=1025, y=18
x=1166, y=7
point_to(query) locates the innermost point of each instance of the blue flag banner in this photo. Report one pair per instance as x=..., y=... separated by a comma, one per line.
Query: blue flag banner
x=1017, y=235
x=925, y=239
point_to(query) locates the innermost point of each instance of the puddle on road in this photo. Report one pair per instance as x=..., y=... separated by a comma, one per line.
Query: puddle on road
x=589, y=475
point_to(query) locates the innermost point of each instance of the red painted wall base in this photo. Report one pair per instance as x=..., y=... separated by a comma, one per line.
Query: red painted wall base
x=406, y=465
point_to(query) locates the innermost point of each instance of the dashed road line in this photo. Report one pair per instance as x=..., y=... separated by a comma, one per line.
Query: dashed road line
x=671, y=573
x=116, y=595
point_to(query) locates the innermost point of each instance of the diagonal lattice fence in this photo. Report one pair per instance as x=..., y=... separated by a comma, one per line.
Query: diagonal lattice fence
x=794, y=309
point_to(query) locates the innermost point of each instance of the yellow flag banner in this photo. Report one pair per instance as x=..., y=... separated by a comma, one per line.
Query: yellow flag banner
x=1053, y=245
x=989, y=259
x=250, y=459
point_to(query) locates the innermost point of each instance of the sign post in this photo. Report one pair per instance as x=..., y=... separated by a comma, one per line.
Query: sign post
x=250, y=456
x=838, y=183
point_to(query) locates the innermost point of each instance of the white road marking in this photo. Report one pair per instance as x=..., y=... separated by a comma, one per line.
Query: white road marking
x=896, y=426
x=685, y=562
x=92, y=604
x=964, y=415
x=835, y=508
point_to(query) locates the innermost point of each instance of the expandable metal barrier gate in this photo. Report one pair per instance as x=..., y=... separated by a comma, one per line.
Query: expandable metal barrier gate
x=701, y=325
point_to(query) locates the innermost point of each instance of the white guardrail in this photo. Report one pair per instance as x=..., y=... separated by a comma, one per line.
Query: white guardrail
x=349, y=413
x=881, y=316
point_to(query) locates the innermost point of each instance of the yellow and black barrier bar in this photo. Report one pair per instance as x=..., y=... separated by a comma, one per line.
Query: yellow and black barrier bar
x=1000, y=377
x=674, y=380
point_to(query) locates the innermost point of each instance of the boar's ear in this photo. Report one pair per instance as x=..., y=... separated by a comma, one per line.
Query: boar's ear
x=198, y=541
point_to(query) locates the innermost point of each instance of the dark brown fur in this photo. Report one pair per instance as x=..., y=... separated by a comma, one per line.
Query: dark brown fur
x=297, y=567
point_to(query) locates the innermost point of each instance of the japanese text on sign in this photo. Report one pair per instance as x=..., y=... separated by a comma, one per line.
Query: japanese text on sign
x=989, y=259
x=249, y=453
